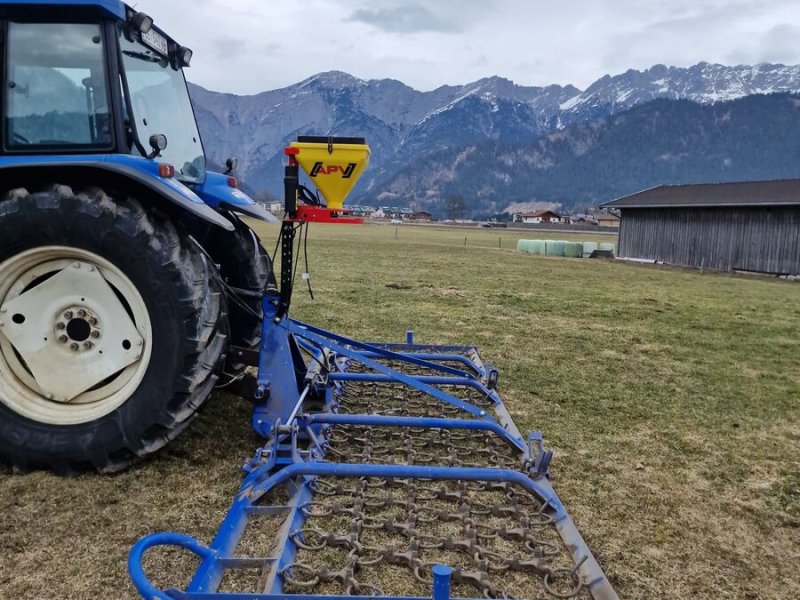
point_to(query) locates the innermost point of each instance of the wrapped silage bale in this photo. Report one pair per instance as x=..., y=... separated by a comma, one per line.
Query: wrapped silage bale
x=537, y=248
x=521, y=245
x=606, y=246
x=588, y=248
x=555, y=247
x=573, y=249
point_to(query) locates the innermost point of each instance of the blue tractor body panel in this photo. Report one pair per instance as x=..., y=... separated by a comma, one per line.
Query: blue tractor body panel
x=137, y=168
x=219, y=194
x=114, y=8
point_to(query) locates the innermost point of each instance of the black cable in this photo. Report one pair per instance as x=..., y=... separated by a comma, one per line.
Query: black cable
x=308, y=197
x=297, y=257
x=305, y=256
x=325, y=368
x=232, y=295
x=230, y=292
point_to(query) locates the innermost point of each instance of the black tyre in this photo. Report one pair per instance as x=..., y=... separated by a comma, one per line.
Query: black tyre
x=112, y=330
x=245, y=266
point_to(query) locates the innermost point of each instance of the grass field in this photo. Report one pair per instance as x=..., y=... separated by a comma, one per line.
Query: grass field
x=672, y=399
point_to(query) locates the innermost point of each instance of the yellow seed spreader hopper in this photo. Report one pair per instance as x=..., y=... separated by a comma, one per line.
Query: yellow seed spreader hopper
x=333, y=164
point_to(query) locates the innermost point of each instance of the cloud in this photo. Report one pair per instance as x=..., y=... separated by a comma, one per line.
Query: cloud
x=782, y=42
x=248, y=46
x=407, y=18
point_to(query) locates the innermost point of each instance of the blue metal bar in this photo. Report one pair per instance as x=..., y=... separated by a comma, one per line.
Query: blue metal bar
x=136, y=570
x=300, y=328
x=177, y=595
x=544, y=493
x=396, y=375
x=427, y=422
x=401, y=347
x=436, y=357
x=432, y=379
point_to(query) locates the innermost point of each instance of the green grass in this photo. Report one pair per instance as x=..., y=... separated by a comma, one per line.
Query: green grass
x=670, y=397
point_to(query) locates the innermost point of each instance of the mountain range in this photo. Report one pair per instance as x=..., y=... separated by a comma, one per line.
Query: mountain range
x=483, y=140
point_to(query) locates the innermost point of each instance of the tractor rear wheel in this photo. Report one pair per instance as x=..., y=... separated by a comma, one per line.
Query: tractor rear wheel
x=112, y=330
x=246, y=268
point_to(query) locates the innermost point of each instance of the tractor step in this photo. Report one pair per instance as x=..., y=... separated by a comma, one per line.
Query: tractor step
x=390, y=470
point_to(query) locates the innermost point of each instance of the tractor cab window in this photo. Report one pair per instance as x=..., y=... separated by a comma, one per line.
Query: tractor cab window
x=160, y=104
x=56, y=86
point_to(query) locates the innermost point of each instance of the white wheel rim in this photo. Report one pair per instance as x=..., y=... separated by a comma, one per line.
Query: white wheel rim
x=70, y=350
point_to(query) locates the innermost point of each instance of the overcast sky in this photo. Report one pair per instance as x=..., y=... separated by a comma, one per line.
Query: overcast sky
x=255, y=45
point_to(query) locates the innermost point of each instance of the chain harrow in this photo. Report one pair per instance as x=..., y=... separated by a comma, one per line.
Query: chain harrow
x=500, y=540
x=381, y=463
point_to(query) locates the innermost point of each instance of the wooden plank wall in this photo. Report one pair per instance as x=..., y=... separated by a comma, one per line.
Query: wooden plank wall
x=762, y=239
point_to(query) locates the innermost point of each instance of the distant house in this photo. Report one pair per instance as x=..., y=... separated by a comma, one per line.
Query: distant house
x=391, y=212
x=607, y=220
x=539, y=216
x=582, y=219
x=421, y=216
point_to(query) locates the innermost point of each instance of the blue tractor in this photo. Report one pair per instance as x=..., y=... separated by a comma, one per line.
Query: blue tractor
x=117, y=244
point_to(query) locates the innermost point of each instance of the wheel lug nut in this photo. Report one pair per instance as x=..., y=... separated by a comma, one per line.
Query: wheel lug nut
x=87, y=345
x=92, y=321
x=68, y=314
x=60, y=325
x=95, y=334
x=62, y=339
x=81, y=313
x=73, y=346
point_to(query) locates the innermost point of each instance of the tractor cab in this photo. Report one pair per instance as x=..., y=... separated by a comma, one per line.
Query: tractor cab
x=101, y=79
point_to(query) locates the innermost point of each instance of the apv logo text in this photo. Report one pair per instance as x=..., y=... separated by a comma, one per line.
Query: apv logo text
x=320, y=169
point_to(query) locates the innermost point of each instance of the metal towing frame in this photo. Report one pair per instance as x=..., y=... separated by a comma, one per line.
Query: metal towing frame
x=328, y=398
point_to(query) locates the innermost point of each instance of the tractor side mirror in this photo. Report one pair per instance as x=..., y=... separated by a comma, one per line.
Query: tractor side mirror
x=158, y=141
x=230, y=165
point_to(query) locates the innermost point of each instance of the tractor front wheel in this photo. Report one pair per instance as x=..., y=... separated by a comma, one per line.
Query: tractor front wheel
x=112, y=330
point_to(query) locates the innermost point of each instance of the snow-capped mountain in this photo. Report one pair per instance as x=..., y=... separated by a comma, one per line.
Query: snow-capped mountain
x=403, y=124
x=703, y=83
x=658, y=142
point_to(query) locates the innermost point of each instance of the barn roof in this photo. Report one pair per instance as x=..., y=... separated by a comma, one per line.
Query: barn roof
x=779, y=192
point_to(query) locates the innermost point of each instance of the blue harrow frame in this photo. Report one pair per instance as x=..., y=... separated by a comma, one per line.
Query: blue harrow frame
x=299, y=361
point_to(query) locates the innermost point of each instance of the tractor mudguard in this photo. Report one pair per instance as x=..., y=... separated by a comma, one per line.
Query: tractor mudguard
x=137, y=169
x=217, y=192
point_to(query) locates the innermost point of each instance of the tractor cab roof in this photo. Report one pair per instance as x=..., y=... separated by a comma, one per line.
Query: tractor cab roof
x=108, y=8
x=113, y=8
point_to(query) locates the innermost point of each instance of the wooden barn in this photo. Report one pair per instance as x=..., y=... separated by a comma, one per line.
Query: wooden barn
x=747, y=226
